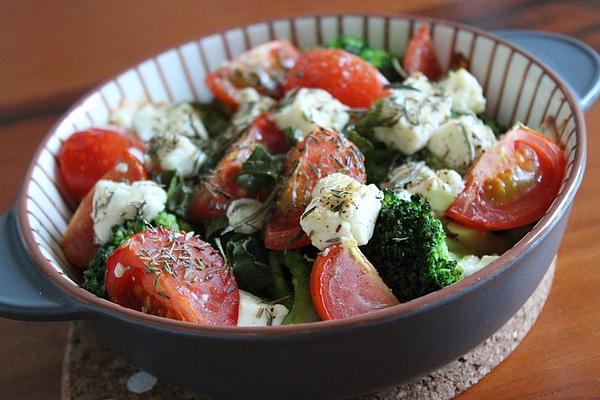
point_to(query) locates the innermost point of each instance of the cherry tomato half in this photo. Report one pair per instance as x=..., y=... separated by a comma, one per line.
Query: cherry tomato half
x=85, y=156
x=264, y=68
x=78, y=241
x=512, y=184
x=420, y=55
x=343, y=283
x=347, y=77
x=173, y=275
x=319, y=154
x=214, y=196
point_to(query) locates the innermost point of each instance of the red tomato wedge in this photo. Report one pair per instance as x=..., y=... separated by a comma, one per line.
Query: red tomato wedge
x=78, y=241
x=87, y=155
x=343, y=283
x=321, y=153
x=214, y=196
x=347, y=77
x=173, y=275
x=420, y=55
x=263, y=68
x=512, y=184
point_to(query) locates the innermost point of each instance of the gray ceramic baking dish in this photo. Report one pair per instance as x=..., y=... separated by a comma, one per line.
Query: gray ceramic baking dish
x=330, y=359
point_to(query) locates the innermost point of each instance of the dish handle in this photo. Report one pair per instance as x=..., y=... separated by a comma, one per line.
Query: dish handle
x=24, y=293
x=574, y=61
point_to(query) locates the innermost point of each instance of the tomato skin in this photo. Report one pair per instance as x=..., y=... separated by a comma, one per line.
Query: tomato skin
x=269, y=62
x=196, y=285
x=343, y=283
x=345, y=76
x=78, y=240
x=420, y=55
x=208, y=203
x=481, y=205
x=321, y=153
x=87, y=155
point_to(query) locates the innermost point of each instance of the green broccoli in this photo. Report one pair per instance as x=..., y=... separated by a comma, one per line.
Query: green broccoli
x=409, y=249
x=93, y=276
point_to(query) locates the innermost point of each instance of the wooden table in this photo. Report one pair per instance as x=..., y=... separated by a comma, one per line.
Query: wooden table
x=51, y=52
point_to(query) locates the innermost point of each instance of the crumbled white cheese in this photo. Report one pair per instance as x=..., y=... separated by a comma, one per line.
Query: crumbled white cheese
x=414, y=113
x=341, y=208
x=439, y=188
x=307, y=109
x=254, y=312
x=465, y=91
x=151, y=120
x=251, y=105
x=175, y=153
x=460, y=141
x=116, y=202
x=471, y=264
x=123, y=116
x=246, y=215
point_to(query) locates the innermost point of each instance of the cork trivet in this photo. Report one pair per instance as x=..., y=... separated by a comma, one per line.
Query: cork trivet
x=91, y=371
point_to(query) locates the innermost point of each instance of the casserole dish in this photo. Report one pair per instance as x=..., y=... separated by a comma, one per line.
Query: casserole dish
x=318, y=360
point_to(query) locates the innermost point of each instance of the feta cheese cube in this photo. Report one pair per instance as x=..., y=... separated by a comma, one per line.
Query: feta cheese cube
x=460, y=141
x=465, y=91
x=175, y=153
x=151, y=120
x=123, y=116
x=412, y=114
x=254, y=312
x=116, y=202
x=471, y=264
x=439, y=188
x=307, y=109
x=341, y=208
x=251, y=105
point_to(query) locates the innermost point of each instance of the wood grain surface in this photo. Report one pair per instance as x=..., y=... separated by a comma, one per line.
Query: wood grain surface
x=53, y=51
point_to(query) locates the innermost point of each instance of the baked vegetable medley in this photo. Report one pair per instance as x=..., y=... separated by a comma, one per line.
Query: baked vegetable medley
x=317, y=185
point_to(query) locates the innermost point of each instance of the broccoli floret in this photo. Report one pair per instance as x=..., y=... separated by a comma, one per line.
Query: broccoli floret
x=409, y=249
x=166, y=220
x=93, y=276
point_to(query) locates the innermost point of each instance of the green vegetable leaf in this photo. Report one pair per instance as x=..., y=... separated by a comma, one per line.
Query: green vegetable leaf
x=179, y=193
x=260, y=171
x=293, y=136
x=302, y=309
x=379, y=159
x=363, y=144
x=380, y=59
x=215, y=226
x=215, y=117
x=376, y=116
x=247, y=259
x=280, y=289
x=431, y=159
